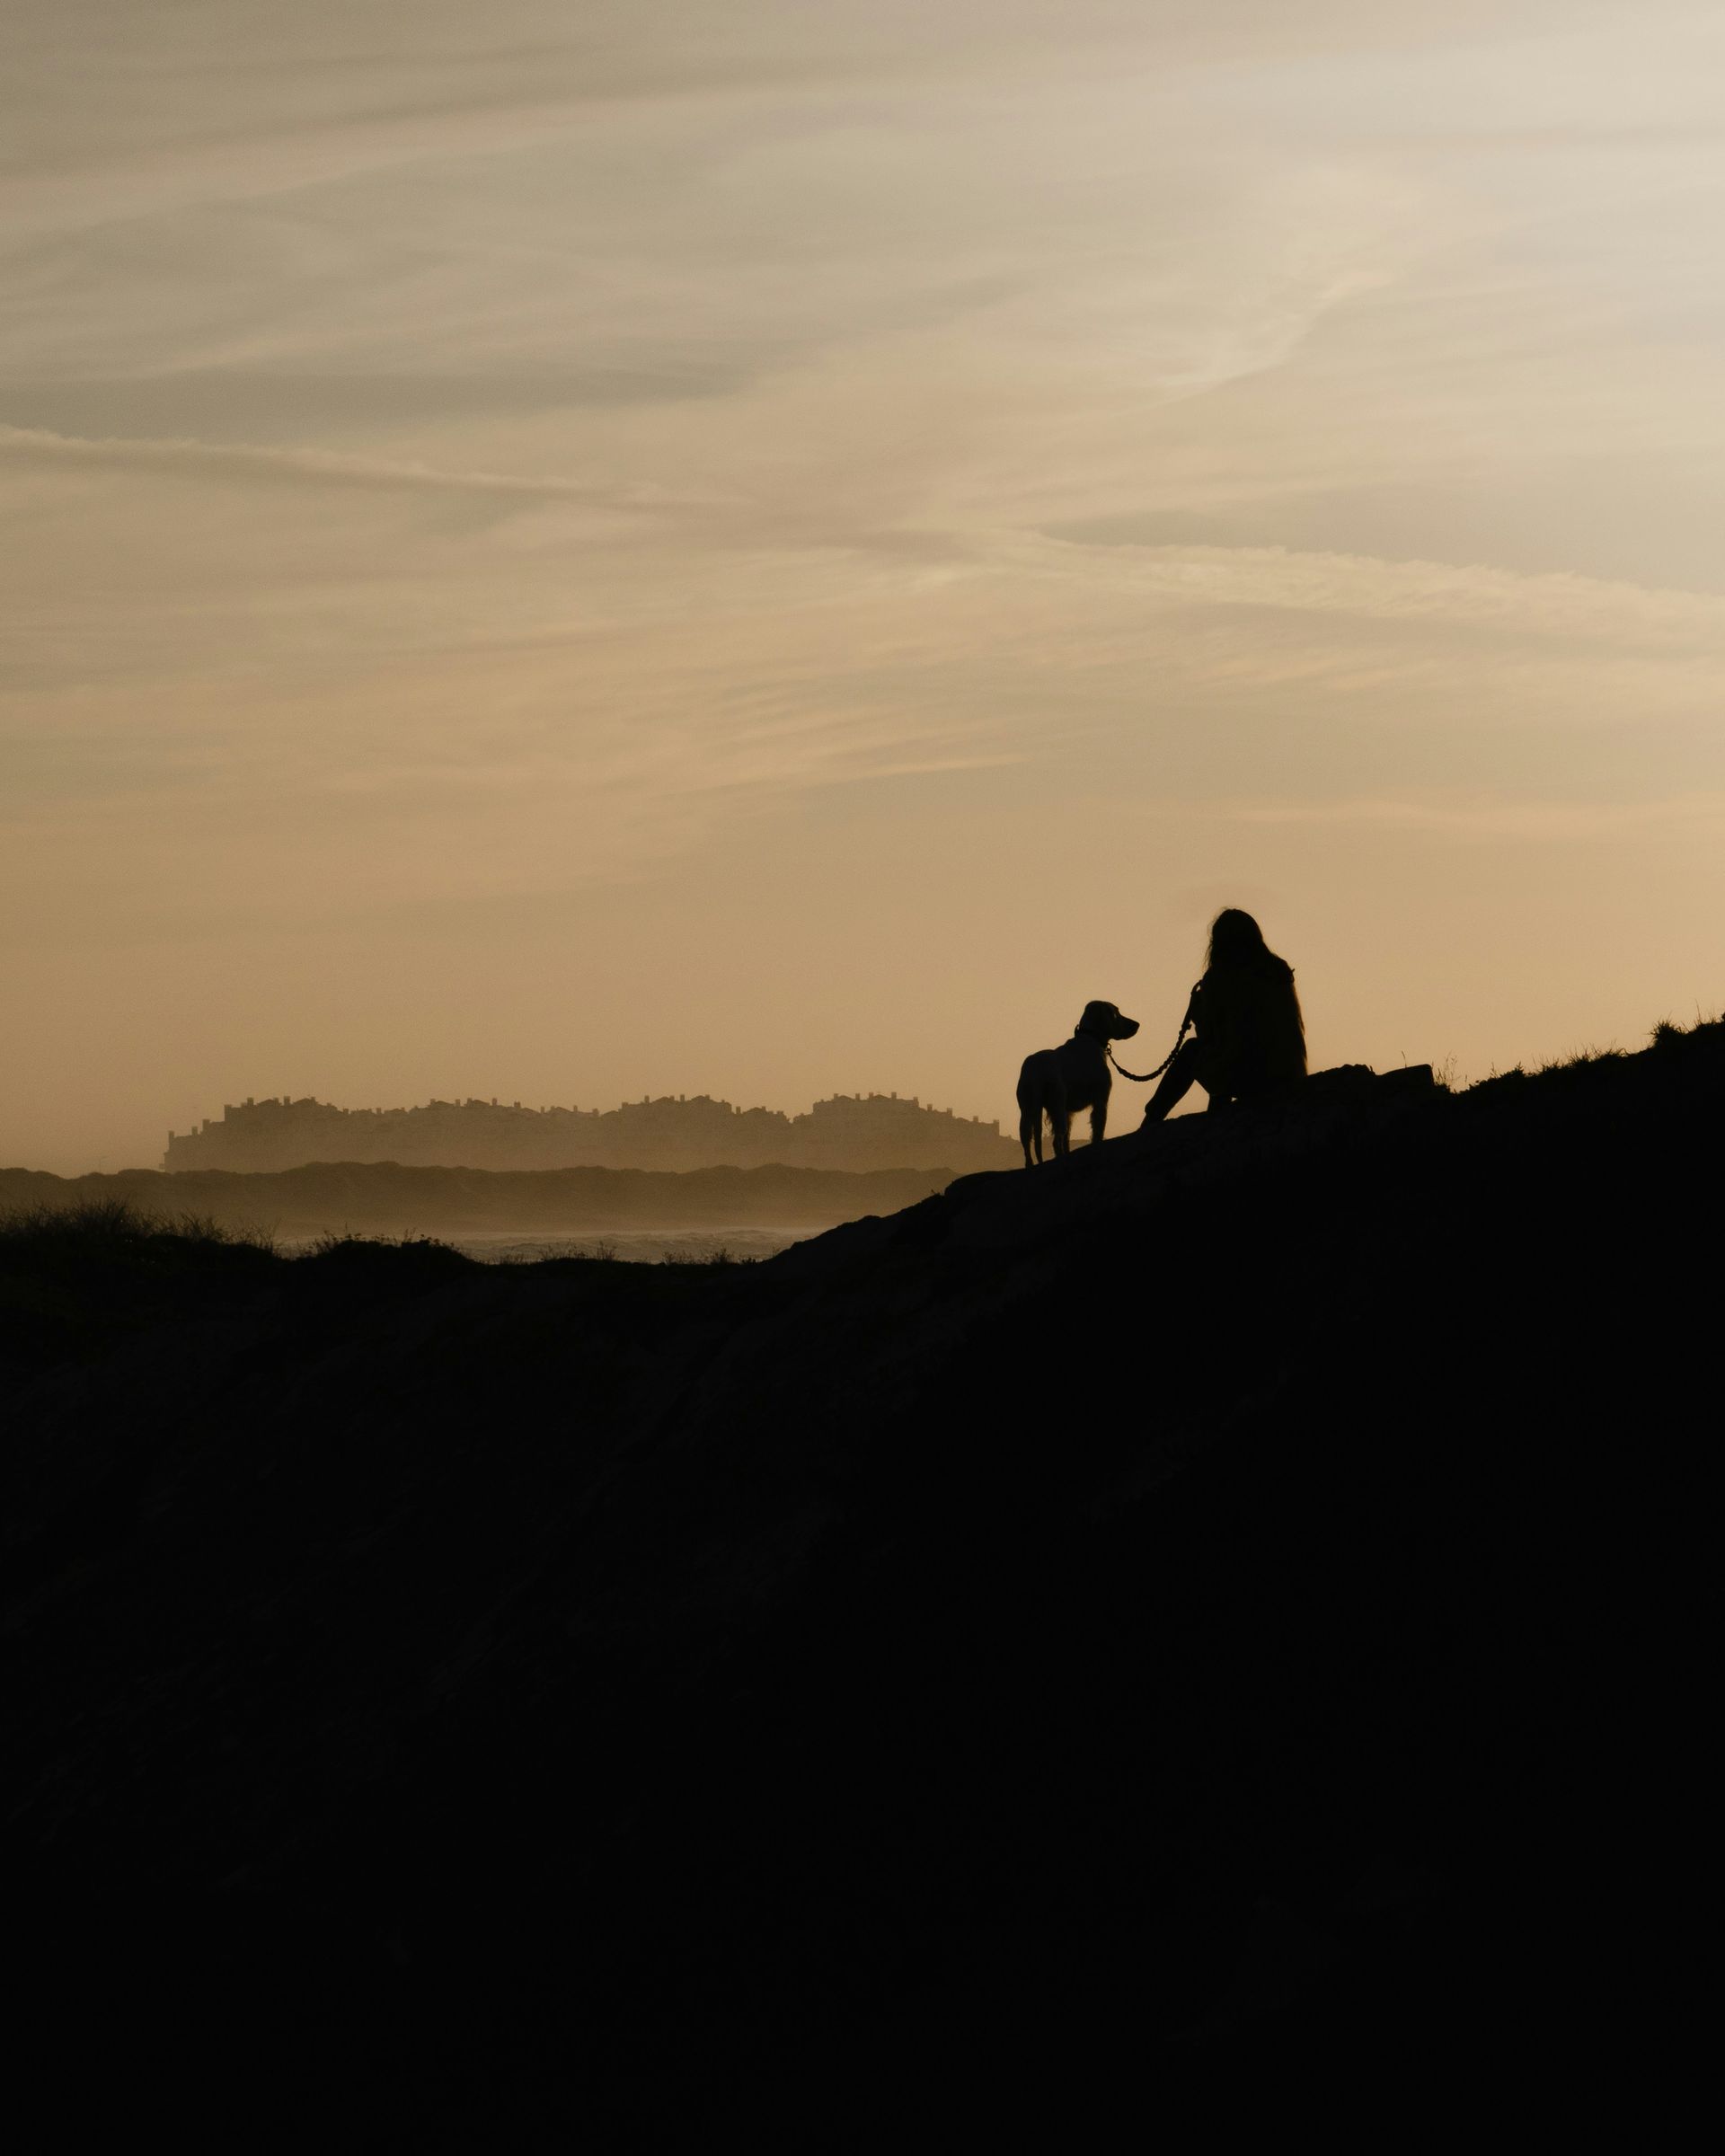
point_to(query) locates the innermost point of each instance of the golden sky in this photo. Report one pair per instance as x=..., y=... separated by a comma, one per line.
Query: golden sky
x=780, y=546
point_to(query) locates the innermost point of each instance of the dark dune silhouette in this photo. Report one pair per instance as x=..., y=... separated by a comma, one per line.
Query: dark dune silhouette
x=1223, y=1615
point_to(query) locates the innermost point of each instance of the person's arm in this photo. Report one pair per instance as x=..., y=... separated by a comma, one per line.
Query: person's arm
x=1217, y=1018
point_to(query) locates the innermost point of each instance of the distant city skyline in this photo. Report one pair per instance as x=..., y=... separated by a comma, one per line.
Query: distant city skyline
x=856, y=1131
x=657, y=546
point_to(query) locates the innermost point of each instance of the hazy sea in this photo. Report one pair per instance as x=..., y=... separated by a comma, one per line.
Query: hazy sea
x=640, y=1246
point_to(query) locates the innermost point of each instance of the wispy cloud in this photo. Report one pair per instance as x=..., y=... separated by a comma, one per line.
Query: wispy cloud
x=1542, y=822
x=299, y=466
x=1592, y=609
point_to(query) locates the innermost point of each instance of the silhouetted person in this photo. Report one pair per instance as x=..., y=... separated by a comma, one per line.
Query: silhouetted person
x=1248, y=1038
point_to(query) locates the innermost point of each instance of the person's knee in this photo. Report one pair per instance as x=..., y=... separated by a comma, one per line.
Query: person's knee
x=1183, y=1065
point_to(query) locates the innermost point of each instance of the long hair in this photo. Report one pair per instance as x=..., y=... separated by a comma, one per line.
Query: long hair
x=1236, y=940
x=1238, y=953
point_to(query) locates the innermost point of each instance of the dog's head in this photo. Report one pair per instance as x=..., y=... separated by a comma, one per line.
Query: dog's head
x=1103, y=1021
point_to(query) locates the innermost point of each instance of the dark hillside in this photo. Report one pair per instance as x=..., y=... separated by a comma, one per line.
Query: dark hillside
x=1223, y=1618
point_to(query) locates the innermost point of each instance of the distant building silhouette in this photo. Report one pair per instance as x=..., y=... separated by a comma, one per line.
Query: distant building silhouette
x=851, y=1130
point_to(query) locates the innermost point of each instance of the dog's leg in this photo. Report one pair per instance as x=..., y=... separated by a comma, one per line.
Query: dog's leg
x=1057, y=1101
x=1029, y=1112
x=1029, y=1132
x=1099, y=1120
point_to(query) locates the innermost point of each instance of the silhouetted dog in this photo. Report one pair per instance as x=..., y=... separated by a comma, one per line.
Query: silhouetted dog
x=1058, y=1082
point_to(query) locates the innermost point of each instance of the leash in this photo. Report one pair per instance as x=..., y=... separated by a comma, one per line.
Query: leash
x=1144, y=1077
